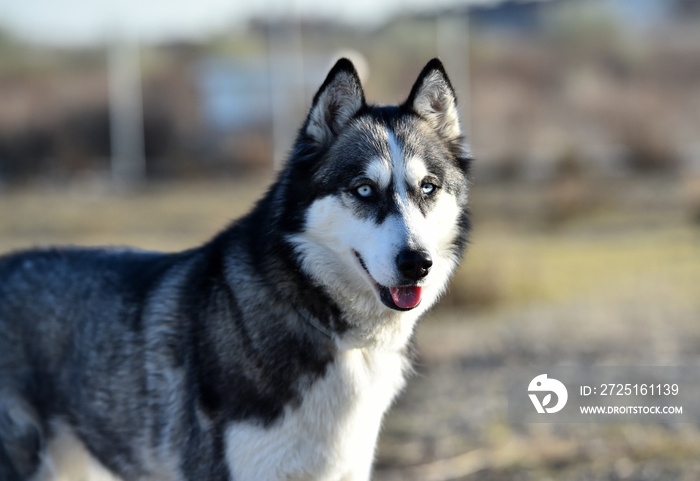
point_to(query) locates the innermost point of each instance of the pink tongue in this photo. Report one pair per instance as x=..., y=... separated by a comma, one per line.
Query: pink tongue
x=406, y=297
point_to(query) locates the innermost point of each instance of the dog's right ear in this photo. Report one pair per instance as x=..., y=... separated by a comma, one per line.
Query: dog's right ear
x=336, y=102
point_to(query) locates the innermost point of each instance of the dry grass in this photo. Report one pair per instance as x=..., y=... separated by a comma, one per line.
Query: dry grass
x=168, y=217
x=510, y=268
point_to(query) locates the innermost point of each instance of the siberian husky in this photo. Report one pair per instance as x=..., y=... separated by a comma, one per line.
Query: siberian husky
x=272, y=351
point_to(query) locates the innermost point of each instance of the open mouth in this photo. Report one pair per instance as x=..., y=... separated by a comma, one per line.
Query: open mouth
x=399, y=298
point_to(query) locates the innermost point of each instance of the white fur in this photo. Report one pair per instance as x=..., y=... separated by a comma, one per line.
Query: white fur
x=332, y=434
x=379, y=171
x=415, y=171
x=398, y=164
x=67, y=459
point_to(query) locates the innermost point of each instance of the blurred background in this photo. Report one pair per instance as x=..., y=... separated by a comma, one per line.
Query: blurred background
x=155, y=123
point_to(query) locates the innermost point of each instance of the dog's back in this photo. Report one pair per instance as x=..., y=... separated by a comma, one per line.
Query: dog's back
x=70, y=334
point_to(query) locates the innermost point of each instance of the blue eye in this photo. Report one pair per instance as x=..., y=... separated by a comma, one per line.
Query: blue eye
x=364, y=190
x=428, y=188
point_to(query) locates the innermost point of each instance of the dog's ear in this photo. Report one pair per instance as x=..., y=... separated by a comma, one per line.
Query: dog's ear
x=336, y=102
x=433, y=98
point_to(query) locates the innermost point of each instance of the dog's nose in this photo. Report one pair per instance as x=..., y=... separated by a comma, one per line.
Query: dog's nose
x=414, y=264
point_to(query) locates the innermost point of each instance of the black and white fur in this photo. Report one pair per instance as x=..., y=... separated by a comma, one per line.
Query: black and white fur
x=269, y=353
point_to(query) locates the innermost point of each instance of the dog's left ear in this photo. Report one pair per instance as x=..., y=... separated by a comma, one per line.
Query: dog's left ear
x=336, y=102
x=433, y=98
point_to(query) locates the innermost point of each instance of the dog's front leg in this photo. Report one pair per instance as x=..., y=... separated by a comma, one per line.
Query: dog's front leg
x=362, y=468
x=360, y=474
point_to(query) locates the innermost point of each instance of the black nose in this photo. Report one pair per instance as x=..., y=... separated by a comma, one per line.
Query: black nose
x=414, y=264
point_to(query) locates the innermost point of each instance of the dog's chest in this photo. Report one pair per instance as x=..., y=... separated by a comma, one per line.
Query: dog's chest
x=332, y=434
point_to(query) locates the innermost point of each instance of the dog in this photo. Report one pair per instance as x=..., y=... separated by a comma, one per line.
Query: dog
x=272, y=351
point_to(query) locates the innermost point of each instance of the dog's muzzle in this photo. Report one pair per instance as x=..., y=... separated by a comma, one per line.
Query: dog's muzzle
x=406, y=296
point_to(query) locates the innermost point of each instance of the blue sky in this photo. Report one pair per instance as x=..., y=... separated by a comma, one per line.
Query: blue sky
x=90, y=21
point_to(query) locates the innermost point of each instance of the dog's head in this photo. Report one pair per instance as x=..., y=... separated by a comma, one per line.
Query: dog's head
x=384, y=194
